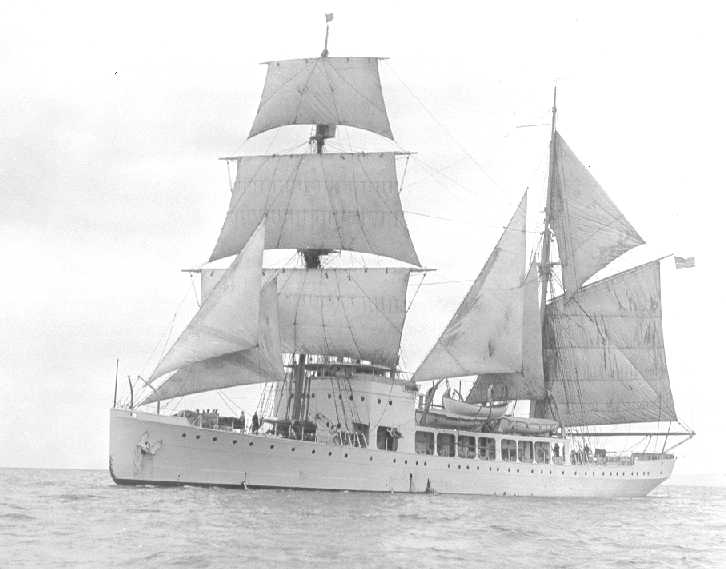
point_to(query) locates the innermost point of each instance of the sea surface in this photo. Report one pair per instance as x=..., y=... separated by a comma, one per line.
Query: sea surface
x=80, y=518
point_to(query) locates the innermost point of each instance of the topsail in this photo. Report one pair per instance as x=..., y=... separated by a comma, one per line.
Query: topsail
x=591, y=231
x=323, y=90
x=318, y=201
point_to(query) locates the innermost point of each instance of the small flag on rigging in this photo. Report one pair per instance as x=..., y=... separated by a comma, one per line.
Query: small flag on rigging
x=328, y=17
x=685, y=262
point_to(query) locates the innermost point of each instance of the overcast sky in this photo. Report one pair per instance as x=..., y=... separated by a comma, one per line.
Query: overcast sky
x=112, y=120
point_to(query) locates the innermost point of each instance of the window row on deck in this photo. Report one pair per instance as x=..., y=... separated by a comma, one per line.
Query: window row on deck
x=485, y=448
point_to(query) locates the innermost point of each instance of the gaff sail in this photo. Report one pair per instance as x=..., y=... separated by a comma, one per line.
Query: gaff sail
x=604, y=355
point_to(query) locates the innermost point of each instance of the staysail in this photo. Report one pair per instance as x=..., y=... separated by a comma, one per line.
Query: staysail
x=228, y=320
x=485, y=333
x=604, y=355
x=528, y=382
x=255, y=365
x=323, y=90
x=318, y=201
x=591, y=231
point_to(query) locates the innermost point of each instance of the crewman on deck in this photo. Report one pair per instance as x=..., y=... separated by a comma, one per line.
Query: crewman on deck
x=255, y=423
x=242, y=421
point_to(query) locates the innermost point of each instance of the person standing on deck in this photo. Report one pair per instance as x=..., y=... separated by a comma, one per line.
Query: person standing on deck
x=255, y=423
x=242, y=421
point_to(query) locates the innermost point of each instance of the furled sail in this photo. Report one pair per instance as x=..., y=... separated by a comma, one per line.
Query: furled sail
x=527, y=382
x=485, y=334
x=604, y=355
x=255, y=365
x=228, y=319
x=357, y=313
x=318, y=201
x=324, y=90
x=591, y=231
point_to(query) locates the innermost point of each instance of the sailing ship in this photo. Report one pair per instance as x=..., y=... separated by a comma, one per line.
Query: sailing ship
x=341, y=413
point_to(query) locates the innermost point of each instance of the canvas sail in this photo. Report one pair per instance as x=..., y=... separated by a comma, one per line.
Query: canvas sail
x=318, y=201
x=356, y=313
x=324, y=90
x=228, y=320
x=256, y=365
x=604, y=355
x=485, y=333
x=591, y=231
x=528, y=382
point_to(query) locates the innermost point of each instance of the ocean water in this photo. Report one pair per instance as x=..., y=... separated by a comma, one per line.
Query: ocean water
x=73, y=518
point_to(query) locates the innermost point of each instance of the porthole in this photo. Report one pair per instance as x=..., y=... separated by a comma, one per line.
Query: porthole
x=330, y=396
x=197, y=436
x=370, y=458
x=234, y=442
x=252, y=443
x=330, y=453
x=448, y=466
x=518, y=471
x=350, y=397
x=346, y=455
x=312, y=395
x=340, y=396
x=313, y=451
x=362, y=398
x=184, y=435
x=379, y=401
x=405, y=462
x=214, y=439
x=425, y=463
x=509, y=470
x=292, y=449
x=394, y=461
x=272, y=447
x=467, y=467
x=417, y=463
x=477, y=468
x=390, y=402
x=459, y=466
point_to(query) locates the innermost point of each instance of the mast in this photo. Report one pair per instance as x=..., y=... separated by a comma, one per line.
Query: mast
x=322, y=132
x=311, y=258
x=545, y=266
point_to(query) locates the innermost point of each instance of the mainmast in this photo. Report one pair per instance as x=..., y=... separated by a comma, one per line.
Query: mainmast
x=545, y=265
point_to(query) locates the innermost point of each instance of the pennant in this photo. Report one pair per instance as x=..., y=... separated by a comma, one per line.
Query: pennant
x=685, y=262
x=328, y=18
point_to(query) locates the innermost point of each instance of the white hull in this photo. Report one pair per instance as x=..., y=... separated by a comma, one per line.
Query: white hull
x=151, y=449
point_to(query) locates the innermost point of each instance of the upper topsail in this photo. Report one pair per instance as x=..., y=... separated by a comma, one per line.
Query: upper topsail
x=591, y=231
x=485, y=334
x=318, y=201
x=324, y=90
x=227, y=321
